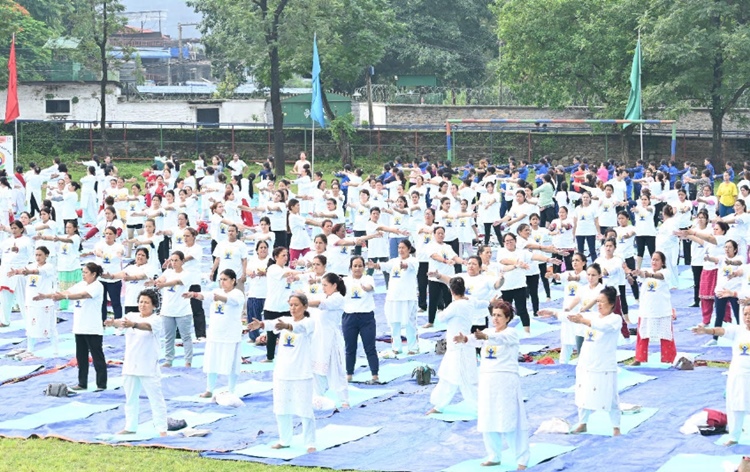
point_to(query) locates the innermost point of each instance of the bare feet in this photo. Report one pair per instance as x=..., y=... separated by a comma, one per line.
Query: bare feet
x=427, y=325
x=348, y=378
x=266, y=361
x=580, y=429
x=432, y=411
x=163, y=434
x=489, y=463
x=188, y=365
x=731, y=442
x=345, y=405
x=527, y=329
x=167, y=364
x=279, y=446
x=636, y=363
x=412, y=353
x=521, y=467
x=616, y=432
x=310, y=450
x=206, y=395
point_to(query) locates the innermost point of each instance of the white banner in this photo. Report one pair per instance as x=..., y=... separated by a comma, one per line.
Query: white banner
x=6, y=155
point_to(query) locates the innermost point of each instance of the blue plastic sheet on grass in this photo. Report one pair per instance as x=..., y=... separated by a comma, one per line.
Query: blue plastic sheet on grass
x=406, y=439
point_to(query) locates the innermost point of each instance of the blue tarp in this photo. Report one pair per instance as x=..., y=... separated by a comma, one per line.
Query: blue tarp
x=406, y=440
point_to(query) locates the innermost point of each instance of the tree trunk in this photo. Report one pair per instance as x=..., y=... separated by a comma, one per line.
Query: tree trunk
x=717, y=125
x=103, y=84
x=278, y=115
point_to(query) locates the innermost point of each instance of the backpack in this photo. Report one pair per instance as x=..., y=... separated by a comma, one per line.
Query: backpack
x=423, y=374
x=57, y=390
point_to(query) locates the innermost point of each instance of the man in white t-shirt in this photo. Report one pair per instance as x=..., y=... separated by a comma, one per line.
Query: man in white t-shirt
x=236, y=165
x=231, y=254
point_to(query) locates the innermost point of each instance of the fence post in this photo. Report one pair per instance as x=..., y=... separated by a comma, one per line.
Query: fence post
x=125, y=138
x=233, y=141
x=606, y=145
x=416, y=144
x=491, y=143
x=91, y=139
x=161, y=136
x=529, y=146
x=378, y=141
x=268, y=137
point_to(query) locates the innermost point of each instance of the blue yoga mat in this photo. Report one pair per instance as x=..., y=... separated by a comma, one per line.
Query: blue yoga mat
x=600, y=425
x=700, y=462
x=257, y=366
x=66, y=347
x=529, y=348
x=7, y=343
x=540, y=452
x=524, y=372
x=330, y=436
x=69, y=411
x=654, y=361
x=241, y=390
x=625, y=380
x=456, y=412
x=147, y=431
x=744, y=437
x=357, y=395
x=15, y=325
x=620, y=354
x=8, y=372
x=537, y=328
x=197, y=362
x=426, y=346
x=388, y=372
x=436, y=327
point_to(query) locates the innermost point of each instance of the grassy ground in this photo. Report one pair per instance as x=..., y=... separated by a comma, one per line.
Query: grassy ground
x=39, y=455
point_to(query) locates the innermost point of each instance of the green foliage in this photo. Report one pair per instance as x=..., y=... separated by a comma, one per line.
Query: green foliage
x=31, y=34
x=342, y=127
x=451, y=39
x=140, y=78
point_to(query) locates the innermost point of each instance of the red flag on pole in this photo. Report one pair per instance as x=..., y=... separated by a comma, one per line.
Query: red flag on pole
x=11, y=104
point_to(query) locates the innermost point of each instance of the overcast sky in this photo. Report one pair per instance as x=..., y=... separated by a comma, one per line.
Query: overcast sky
x=177, y=11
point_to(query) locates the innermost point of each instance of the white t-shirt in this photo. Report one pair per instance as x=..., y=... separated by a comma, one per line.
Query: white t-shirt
x=134, y=287
x=279, y=290
x=358, y=300
x=616, y=275
x=402, y=281
x=740, y=338
x=294, y=353
x=598, y=353
x=644, y=221
x=300, y=239
x=142, y=347
x=230, y=256
x=257, y=286
x=607, y=213
x=87, y=312
x=338, y=256
x=445, y=251
x=625, y=246
x=69, y=255
x=43, y=282
x=376, y=247
x=515, y=278
x=500, y=351
x=173, y=304
x=110, y=259
x=225, y=319
x=584, y=217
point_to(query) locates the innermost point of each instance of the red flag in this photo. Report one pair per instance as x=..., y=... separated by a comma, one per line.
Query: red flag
x=11, y=104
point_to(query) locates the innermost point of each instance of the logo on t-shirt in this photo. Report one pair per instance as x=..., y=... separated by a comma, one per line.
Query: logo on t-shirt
x=65, y=248
x=314, y=288
x=179, y=239
x=449, y=222
x=605, y=208
x=427, y=239
x=651, y=285
x=356, y=293
x=227, y=255
x=344, y=250
x=33, y=280
x=78, y=304
x=289, y=340
x=572, y=288
x=590, y=335
x=469, y=289
x=744, y=348
x=219, y=308
x=171, y=289
x=223, y=228
x=727, y=271
x=641, y=216
x=490, y=351
x=396, y=273
x=106, y=259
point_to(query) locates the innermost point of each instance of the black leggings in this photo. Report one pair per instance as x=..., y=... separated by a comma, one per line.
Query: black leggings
x=686, y=250
x=456, y=246
x=439, y=298
x=567, y=259
x=643, y=242
x=697, y=271
x=199, y=315
x=581, y=241
x=358, y=249
x=113, y=291
x=498, y=233
x=545, y=280
x=518, y=297
x=532, y=283
x=720, y=305
x=280, y=240
x=547, y=215
x=623, y=300
x=422, y=285
x=271, y=337
x=630, y=264
x=85, y=344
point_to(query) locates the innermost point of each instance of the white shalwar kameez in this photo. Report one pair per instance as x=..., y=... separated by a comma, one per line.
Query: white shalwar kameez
x=458, y=369
x=328, y=364
x=41, y=319
x=223, y=352
x=572, y=284
x=596, y=373
x=16, y=254
x=738, y=379
x=293, y=379
x=501, y=414
x=141, y=369
x=401, y=301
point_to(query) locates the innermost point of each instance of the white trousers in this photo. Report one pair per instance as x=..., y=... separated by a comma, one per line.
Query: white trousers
x=286, y=430
x=411, y=336
x=340, y=387
x=518, y=440
x=735, y=420
x=152, y=385
x=566, y=352
x=8, y=299
x=614, y=415
x=444, y=392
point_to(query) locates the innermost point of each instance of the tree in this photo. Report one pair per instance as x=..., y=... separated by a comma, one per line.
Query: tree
x=452, y=39
x=568, y=52
x=700, y=50
x=96, y=21
x=31, y=35
x=272, y=41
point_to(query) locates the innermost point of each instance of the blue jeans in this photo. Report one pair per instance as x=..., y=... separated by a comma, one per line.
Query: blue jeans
x=255, y=312
x=725, y=210
x=362, y=325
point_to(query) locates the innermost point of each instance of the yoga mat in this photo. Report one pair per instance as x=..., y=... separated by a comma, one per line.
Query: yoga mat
x=196, y=364
x=744, y=437
x=251, y=350
x=330, y=436
x=8, y=372
x=456, y=412
x=621, y=355
x=69, y=411
x=15, y=325
x=625, y=380
x=529, y=348
x=654, y=361
x=524, y=372
x=540, y=452
x=537, y=328
x=257, y=366
x=436, y=327
x=241, y=390
x=684, y=462
x=388, y=372
x=8, y=342
x=426, y=346
x=146, y=429
x=66, y=347
x=600, y=425
x=357, y=395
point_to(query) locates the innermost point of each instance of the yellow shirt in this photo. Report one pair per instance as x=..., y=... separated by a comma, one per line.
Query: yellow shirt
x=727, y=193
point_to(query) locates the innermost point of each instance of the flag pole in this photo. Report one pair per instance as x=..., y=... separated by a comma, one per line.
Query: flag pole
x=312, y=165
x=640, y=89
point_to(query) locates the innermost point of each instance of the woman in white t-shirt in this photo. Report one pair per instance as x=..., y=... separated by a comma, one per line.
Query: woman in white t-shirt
x=279, y=279
x=140, y=368
x=645, y=229
x=109, y=254
x=668, y=243
x=359, y=318
x=88, y=328
x=708, y=201
x=41, y=319
x=561, y=230
x=276, y=212
x=257, y=288
x=134, y=276
x=299, y=243
x=377, y=246
x=68, y=257
x=727, y=285
x=585, y=225
x=488, y=211
x=223, y=353
x=613, y=273
x=739, y=229
x=698, y=254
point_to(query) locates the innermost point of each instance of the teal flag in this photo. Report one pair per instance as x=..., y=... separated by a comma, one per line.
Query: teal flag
x=633, y=110
x=316, y=107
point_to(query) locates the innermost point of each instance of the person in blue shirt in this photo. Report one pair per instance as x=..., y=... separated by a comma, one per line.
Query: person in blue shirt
x=730, y=169
x=466, y=168
x=540, y=169
x=424, y=164
x=674, y=173
x=636, y=173
x=344, y=182
x=523, y=170
x=710, y=168
x=387, y=176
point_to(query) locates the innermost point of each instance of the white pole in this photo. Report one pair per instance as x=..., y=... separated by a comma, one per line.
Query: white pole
x=312, y=165
x=15, y=142
x=640, y=89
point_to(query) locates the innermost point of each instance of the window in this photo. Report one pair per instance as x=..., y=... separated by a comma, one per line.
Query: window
x=57, y=106
x=208, y=117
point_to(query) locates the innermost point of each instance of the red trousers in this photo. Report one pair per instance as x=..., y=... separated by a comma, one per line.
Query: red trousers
x=668, y=348
x=707, y=310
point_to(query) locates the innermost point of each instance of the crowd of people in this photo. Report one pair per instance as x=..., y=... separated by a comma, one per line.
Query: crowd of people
x=295, y=271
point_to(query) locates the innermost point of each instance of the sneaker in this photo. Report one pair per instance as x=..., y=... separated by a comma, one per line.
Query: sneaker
x=77, y=388
x=710, y=343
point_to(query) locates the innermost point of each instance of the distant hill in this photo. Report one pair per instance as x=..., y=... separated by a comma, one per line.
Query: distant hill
x=177, y=12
